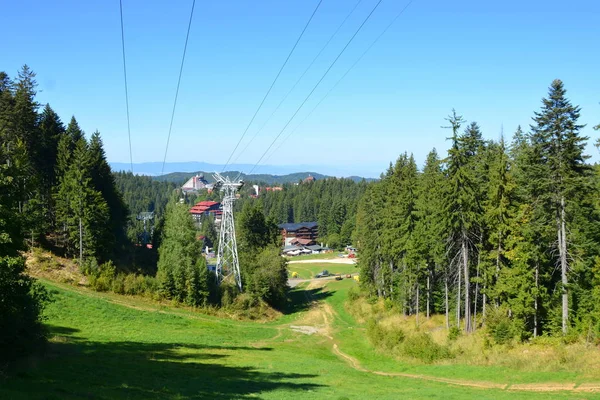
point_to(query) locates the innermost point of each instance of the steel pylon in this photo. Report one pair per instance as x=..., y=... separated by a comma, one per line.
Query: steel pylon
x=227, y=256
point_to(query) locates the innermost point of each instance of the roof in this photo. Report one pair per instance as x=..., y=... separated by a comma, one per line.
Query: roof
x=206, y=203
x=303, y=242
x=291, y=227
x=315, y=247
x=291, y=248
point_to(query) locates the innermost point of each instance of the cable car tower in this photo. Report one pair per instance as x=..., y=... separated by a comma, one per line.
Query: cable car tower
x=227, y=256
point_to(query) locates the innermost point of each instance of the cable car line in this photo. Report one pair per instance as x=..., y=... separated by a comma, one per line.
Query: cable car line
x=272, y=84
x=297, y=81
x=187, y=36
x=315, y=87
x=126, y=91
x=340, y=79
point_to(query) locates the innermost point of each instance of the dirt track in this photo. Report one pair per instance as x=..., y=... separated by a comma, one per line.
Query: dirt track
x=328, y=332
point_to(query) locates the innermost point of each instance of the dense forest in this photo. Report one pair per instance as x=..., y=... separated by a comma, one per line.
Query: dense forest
x=331, y=202
x=496, y=233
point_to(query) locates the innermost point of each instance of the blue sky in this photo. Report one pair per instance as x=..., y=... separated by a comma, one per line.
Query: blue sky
x=491, y=61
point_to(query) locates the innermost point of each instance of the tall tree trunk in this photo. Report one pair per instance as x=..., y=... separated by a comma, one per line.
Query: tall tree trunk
x=417, y=303
x=535, y=301
x=562, y=242
x=458, y=296
x=80, y=243
x=428, y=290
x=498, y=250
x=483, y=306
x=377, y=278
x=467, y=284
x=476, y=294
x=446, y=301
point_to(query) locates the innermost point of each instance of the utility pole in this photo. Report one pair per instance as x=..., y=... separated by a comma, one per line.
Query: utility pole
x=227, y=256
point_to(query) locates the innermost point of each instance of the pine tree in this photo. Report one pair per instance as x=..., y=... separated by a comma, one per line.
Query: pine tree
x=429, y=233
x=559, y=147
x=462, y=206
x=103, y=181
x=181, y=270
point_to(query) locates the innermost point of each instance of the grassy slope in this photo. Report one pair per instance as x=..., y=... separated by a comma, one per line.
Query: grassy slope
x=309, y=270
x=322, y=256
x=354, y=342
x=111, y=347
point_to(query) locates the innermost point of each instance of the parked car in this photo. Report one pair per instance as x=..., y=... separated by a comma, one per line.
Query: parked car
x=338, y=277
x=322, y=274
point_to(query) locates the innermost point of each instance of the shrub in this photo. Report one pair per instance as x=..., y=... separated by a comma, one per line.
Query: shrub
x=118, y=284
x=500, y=326
x=101, y=279
x=353, y=293
x=45, y=262
x=22, y=301
x=454, y=333
x=384, y=339
x=421, y=346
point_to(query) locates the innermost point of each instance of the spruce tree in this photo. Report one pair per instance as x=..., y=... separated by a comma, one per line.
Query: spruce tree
x=560, y=150
x=103, y=181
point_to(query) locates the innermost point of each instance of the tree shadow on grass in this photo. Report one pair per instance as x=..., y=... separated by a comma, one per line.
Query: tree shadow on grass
x=301, y=299
x=77, y=369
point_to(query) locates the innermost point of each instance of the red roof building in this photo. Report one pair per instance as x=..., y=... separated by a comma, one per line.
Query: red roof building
x=205, y=208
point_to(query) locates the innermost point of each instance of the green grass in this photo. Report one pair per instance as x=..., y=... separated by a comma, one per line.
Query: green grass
x=309, y=270
x=107, y=346
x=353, y=341
x=322, y=256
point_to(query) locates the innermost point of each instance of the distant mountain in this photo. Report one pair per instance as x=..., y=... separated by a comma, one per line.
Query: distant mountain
x=181, y=177
x=181, y=171
x=155, y=169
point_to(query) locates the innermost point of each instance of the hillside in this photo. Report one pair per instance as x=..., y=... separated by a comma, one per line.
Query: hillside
x=107, y=346
x=180, y=177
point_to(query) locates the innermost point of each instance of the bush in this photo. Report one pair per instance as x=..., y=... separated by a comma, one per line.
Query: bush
x=353, y=293
x=421, y=346
x=384, y=339
x=45, y=262
x=501, y=327
x=454, y=333
x=22, y=301
x=101, y=280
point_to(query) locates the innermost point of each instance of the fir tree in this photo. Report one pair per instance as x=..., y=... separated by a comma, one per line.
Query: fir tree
x=559, y=147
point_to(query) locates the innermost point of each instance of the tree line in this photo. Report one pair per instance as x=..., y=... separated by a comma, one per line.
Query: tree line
x=493, y=231
x=331, y=202
x=65, y=193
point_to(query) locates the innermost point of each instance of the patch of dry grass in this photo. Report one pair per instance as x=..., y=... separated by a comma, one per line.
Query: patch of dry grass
x=42, y=263
x=541, y=354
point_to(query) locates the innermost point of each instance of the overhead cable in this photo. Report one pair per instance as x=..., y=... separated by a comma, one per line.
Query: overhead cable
x=125, y=78
x=316, y=85
x=187, y=36
x=298, y=81
x=341, y=78
x=272, y=84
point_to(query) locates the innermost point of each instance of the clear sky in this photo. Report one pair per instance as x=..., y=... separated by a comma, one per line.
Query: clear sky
x=490, y=60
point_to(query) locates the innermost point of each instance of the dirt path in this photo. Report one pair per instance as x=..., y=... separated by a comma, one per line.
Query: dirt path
x=328, y=314
x=529, y=387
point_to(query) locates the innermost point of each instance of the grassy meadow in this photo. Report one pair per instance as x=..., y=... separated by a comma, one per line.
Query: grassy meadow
x=106, y=346
x=310, y=270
